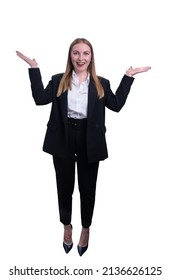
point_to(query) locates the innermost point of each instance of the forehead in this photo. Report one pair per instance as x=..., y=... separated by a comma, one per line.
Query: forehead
x=81, y=47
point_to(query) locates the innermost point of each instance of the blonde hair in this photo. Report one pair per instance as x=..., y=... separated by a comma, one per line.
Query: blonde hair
x=66, y=80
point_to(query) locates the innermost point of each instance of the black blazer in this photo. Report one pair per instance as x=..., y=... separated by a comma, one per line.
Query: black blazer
x=55, y=142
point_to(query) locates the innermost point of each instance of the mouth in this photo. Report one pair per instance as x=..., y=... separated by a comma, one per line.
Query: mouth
x=80, y=64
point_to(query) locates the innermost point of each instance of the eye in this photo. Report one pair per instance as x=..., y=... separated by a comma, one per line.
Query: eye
x=75, y=52
x=86, y=53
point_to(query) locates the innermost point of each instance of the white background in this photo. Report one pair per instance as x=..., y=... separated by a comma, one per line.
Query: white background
x=131, y=219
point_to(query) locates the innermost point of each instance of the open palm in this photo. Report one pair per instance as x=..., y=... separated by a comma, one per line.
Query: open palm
x=32, y=62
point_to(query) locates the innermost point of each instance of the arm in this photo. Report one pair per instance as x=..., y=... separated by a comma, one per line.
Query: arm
x=116, y=101
x=41, y=96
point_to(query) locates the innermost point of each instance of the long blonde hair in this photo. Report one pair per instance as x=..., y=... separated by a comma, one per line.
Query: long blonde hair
x=66, y=80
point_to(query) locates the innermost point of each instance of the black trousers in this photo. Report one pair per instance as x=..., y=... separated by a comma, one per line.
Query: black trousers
x=65, y=175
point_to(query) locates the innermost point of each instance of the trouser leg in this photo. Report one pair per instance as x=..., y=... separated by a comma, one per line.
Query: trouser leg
x=65, y=176
x=87, y=177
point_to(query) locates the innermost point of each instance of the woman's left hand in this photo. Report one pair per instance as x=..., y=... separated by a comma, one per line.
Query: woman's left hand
x=133, y=71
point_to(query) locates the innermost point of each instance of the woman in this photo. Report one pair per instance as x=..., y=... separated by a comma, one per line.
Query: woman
x=76, y=128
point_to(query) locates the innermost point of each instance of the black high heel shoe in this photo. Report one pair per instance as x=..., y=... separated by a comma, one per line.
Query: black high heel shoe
x=82, y=250
x=67, y=246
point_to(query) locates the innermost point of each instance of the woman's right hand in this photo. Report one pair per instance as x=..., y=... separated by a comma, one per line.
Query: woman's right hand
x=32, y=62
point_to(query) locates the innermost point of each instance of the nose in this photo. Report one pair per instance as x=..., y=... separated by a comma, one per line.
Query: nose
x=81, y=56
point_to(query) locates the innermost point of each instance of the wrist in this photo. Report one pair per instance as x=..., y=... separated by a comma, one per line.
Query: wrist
x=128, y=74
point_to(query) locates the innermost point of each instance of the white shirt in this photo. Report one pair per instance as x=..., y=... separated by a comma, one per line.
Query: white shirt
x=78, y=98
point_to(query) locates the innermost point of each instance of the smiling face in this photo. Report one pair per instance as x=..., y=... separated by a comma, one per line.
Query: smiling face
x=81, y=57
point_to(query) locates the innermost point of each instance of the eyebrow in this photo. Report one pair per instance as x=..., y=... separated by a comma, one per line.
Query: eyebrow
x=78, y=51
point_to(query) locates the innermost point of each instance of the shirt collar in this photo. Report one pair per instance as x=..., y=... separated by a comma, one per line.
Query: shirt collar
x=75, y=78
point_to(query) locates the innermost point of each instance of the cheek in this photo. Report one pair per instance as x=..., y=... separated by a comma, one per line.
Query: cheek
x=72, y=59
x=89, y=60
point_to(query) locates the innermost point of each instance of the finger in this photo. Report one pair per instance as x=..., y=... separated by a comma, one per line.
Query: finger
x=19, y=53
x=22, y=56
x=145, y=69
x=130, y=68
x=148, y=68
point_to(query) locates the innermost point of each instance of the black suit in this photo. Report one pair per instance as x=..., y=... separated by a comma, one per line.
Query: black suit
x=57, y=129
x=57, y=139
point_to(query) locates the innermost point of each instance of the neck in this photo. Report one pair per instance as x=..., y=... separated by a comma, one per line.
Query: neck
x=82, y=76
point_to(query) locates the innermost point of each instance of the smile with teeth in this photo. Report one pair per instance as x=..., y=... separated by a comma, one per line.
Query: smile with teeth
x=80, y=63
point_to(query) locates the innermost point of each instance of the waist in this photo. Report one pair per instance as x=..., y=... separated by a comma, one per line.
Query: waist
x=77, y=123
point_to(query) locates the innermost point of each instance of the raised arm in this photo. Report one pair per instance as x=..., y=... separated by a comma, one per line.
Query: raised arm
x=116, y=101
x=41, y=95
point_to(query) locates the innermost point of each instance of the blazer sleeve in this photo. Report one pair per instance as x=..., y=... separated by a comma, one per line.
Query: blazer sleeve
x=116, y=101
x=41, y=95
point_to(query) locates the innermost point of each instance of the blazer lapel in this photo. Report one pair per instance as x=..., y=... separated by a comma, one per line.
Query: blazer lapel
x=63, y=105
x=92, y=95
